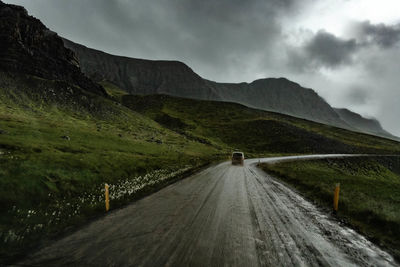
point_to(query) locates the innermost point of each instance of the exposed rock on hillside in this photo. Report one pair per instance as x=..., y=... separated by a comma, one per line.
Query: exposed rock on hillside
x=27, y=46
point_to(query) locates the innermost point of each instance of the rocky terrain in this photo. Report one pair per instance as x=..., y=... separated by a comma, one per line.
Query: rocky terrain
x=29, y=47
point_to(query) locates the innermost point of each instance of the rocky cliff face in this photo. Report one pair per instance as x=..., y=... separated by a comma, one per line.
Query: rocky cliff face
x=28, y=47
x=362, y=124
x=138, y=76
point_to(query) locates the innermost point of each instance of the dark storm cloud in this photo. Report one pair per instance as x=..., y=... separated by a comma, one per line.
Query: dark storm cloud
x=326, y=49
x=385, y=36
x=322, y=50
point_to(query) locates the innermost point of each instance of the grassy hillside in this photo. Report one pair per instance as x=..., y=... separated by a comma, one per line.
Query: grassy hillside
x=253, y=131
x=369, y=192
x=60, y=144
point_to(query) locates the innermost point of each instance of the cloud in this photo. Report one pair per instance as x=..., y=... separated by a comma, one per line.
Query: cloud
x=322, y=50
x=329, y=50
x=325, y=50
x=358, y=95
x=385, y=36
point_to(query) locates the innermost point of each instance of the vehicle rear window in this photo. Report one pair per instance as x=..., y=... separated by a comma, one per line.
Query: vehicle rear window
x=238, y=154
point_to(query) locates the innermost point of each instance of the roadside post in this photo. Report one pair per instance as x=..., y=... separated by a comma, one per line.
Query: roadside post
x=107, y=197
x=336, y=198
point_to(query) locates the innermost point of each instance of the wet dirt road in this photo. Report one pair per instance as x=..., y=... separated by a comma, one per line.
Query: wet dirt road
x=223, y=216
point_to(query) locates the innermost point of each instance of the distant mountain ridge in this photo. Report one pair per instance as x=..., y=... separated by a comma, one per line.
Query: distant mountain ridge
x=145, y=77
x=371, y=126
x=280, y=95
x=139, y=76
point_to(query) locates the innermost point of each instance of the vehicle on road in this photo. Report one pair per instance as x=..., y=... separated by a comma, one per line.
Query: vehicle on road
x=237, y=158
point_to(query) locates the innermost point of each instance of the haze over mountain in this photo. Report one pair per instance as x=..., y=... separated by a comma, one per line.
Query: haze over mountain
x=140, y=76
x=362, y=124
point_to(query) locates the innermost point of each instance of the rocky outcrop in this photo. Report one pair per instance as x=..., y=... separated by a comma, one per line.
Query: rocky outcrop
x=28, y=47
x=371, y=126
x=139, y=76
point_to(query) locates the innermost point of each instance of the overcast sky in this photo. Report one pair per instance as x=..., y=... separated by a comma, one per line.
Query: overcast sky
x=346, y=50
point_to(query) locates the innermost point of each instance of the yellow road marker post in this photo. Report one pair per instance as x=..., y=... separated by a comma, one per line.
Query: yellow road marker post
x=107, y=197
x=336, y=198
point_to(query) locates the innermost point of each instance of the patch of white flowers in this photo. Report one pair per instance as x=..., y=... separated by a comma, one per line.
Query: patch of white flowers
x=60, y=210
x=128, y=187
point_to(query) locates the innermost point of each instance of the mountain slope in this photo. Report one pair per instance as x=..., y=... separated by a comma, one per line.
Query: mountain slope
x=371, y=126
x=283, y=96
x=139, y=76
x=146, y=77
x=254, y=131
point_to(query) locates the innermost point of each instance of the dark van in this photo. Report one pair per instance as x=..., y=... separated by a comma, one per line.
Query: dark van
x=237, y=158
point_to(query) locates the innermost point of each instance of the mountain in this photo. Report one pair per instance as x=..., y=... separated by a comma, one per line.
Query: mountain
x=280, y=95
x=139, y=76
x=147, y=77
x=27, y=46
x=371, y=126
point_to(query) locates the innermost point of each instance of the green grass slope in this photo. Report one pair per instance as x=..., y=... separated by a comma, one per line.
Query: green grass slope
x=60, y=144
x=256, y=132
x=369, y=192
